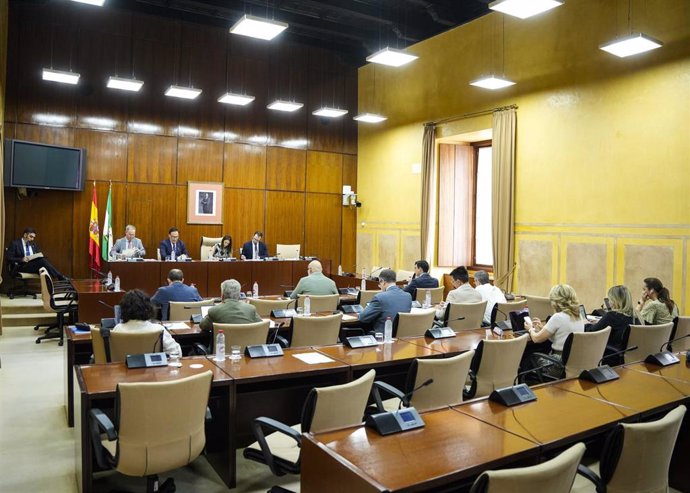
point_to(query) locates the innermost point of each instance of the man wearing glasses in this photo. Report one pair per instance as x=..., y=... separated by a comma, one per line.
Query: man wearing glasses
x=388, y=303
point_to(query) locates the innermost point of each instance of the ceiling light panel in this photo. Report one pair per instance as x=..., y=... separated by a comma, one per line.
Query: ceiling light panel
x=391, y=57
x=524, y=8
x=182, y=92
x=125, y=84
x=288, y=106
x=492, y=83
x=631, y=45
x=60, y=76
x=257, y=27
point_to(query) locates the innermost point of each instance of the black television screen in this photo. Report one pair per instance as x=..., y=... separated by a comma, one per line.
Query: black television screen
x=34, y=165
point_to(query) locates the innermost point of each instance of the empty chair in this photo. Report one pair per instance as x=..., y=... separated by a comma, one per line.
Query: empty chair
x=495, y=365
x=117, y=345
x=287, y=251
x=265, y=307
x=364, y=297
x=242, y=335
x=539, y=307
x=635, y=458
x=403, y=275
x=206, y=247
x=436, y=294
x=62, y=304
x=500, y=311
x=320, y=303
x=448, y=375
x=648, y=339
x=581, y=351
x=472, y=315
x=315, y=331
x=151, y=437
x=183, y=310
x=554, y=476
x=326, y=408
x=413, y=324
x=682, y=330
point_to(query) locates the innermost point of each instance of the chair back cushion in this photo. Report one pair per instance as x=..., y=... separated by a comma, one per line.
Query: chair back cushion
x=585, y=351
x=436, y=294
x=682, y=329
x=46, y=289
x=316, y=331
x=413, y=324
x=183, y=310
x=287, y=251
x=264, y=307
x=161, y=424
x=501, y=310
x=98, y=346
x=473, y=314
x=449, y=375
x=539, y=307
x=648, y=339
x=139, y=342
x=499, y=364
x=206, y=248
x=242, y=335
x=320, y=302
x=366, y=296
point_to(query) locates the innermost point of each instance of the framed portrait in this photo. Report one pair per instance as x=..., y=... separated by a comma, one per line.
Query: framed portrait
x=204, y=203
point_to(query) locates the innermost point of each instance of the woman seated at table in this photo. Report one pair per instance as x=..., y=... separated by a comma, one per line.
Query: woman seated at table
x=224, y=248
x=656, y=306
x=618, y=318
x=136, y=310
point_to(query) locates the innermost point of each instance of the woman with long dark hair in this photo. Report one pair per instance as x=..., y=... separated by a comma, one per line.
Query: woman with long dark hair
x=656, y=306
x=224, y=248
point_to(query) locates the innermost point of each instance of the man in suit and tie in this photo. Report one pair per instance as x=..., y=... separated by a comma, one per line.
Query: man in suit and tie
x=20, y=251
x=231, y=310
x=255, y=248
x=421, y=279
x=176, y=290
x=129, y=246
x=315, y=283
x=173, y=247
x=391, y=301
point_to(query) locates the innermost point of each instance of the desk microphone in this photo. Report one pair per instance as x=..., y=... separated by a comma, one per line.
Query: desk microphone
x=103, y=277
x=106, y=305
x=667, y=343
x=532, y=370
x=444, y=323
x=664, y=358
x=603, y=373
x=406, y=397
x=631, y=348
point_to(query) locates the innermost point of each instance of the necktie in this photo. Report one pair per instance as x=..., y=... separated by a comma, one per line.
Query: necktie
x=28, y=250
x=129, y=245
x=256, y=251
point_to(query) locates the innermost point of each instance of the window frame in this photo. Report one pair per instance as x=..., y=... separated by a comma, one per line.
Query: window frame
x=475, y=266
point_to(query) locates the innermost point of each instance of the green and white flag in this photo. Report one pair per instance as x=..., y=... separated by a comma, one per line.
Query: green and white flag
x=107, y=242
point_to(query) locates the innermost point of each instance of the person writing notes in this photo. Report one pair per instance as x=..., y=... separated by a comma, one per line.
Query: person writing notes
x=255, y=249
x=176, y=290
x=173, y=248
x=223, y=249
x=129, y=246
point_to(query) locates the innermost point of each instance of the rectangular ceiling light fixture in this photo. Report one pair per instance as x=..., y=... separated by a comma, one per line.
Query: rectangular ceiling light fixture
x=97, y=3
x=391, y=57
x=257, y=27
x=125, y=84
x=492, y=83
x=631, y=45
x=236, y=99
x=524, y=8
x=60, y=76
x=288, y=106
x=369, y=118
x=329, y=112
x=182, y=92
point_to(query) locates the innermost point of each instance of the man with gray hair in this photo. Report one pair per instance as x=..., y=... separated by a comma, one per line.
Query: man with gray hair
x=129, y=246
x=231, y=310
x=489, y=293
x=391, y=301
x=315, y=282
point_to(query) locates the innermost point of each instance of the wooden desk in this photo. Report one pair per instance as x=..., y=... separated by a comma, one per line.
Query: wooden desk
x=452, y=447
x=194, y=273
x=353, y=282
x=674, y=372
x=138, y=275
x=95, y=300
x=465, y=340
x=97, y=385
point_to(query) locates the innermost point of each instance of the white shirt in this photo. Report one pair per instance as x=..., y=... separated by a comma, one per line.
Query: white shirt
x=560, y=325
x=25, y=244
x=492, y=295
x=464, y=294
x=169, y=344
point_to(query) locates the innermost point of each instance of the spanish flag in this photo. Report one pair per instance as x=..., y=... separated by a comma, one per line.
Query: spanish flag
x=94, y=248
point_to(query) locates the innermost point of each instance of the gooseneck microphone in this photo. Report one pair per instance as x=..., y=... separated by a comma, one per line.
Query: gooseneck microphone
x=617, y=353
x=406, y=397
x=667, y=343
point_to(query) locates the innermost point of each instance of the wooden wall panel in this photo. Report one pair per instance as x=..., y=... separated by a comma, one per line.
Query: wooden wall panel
x=47, y=135
x=284, y=219
x=106, y=154
x=190, y=233
x=244, y=166
x=350, y=171
x=247, y=75
x=244, y=212
x=348, y=253
x=199, y=160
x=323, y=214
x=151, y=212
x=151, y=159
x=324, y=172
x=285, y=169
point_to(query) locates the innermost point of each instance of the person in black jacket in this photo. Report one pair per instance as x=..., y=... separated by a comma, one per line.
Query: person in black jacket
x=421, y=279
x=618, y=318
x=21, y=249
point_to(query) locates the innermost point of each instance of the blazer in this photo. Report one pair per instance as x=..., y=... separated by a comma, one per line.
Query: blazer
x=177, y=291
x=121, y=245
x=166, y=249
x=248, y=251
x=15, y=252
x=423, y=281
x=388, y=303
x=230, y=312
x=618, y=322
x=315, y=283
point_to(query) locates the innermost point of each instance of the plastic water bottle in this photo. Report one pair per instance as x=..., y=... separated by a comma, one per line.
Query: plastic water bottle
x=109, y=277
x=173, y=257
x=364, y=280
x=117, y=283
x=388, y=331
x=255, y=290
x=340, y=270
x=307, y=305
x=220, y=346
x=427, y=299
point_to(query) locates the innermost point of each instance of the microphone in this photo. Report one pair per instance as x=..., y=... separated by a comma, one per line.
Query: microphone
x=106, y=305
x=603, y=373
x=664, y=358
x=406, y=397
x=631, y=348
x=440, y=323
x=533, y=370
x=99, y=273
x=667, y=343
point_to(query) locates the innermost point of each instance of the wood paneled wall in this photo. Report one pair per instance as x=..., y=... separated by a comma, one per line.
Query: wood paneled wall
x=282, y=173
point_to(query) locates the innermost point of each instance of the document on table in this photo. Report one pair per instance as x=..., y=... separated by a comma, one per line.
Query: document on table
x=176, y=325
x=313, y=358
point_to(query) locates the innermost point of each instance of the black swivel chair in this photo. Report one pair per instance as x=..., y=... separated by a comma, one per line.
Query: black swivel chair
x=20, y=280
x=62, y=302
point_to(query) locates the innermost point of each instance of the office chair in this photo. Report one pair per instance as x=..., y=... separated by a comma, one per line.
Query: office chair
x=495, y=365
x=115, y=346
x=183, y=310
x=473, y=314
x=500, y=311
x=413, y=324
x=635, y=458
x=206, y=246
x=20, y=280
x=63, y=304
x=265, y=307
x=325, y=408
x=403, y=275
x=242, y=335
x=555, y=476
x=682, y=328
x=364, y=297
x=436, y=295
x=320, y=303
x=448, y=374
x=149, y=439
x=315, y=331
x=648, y=339
x=539, y=307
x=287, y=251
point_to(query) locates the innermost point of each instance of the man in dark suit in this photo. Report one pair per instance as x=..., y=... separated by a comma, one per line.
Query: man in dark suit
x=391, y=301
x=231, y=310
x=255, y=248
x=421, y=279
x=21, y=249
x=173, y=247
x=176, y=290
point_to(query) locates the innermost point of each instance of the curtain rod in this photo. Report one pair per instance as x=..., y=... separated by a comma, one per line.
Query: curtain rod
x=470, y=115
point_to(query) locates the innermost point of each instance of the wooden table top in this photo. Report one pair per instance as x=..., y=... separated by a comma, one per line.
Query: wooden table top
x=556, y=415
x=450, y=447
x=398, y=350
x=464, y=341
x=676, y=372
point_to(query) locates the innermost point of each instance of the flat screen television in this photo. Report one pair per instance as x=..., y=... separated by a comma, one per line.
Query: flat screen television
x=35, y=165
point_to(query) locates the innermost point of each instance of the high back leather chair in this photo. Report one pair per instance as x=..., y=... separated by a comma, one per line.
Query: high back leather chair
x=648, y=339
x=118, y=345
x=500, y=311
x=62, y=304
x=242, y=335
x=20, y=284
x=436, y=294
x=183, y=310
x=320, y=303
x=413, y=324
x=581, y=351
x=539, y=307
x=151, y=437
x=682, y=330
x=265, y=307
x=315, y=331
x=206, y=247
x=364, y=297
x=473, y=314
x=287, y=251
x=495, y=365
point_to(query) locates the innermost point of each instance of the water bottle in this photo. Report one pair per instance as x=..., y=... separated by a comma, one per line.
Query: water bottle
x=220, y=346
x=388, y=331
x=364, y=280
x=173, y=257
x=307, y=305
x=427, y=299
x=117, y=283
x=340, y=270
x=110, y=277
x=255, y=290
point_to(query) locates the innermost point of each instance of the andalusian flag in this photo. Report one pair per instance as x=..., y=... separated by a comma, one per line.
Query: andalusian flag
x=94, y=233
x=108, y=227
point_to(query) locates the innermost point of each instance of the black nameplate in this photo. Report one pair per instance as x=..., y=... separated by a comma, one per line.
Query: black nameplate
x=512, y=396
x=352, y=308
x=360, y=341
x=664, y=358
x=395, y=421
x=600, y=374
x=288, y=313
x=264, y=351
x=440, y=333
x=196, y=318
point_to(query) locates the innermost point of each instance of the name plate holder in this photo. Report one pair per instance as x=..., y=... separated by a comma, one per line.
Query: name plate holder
x=512, y=396
x=286, y=313
x=264, y=351
x=360, y=341
x=664, y=358
x=395, y=421
x=352, y=308
x=135, y=259
x=440, y=333
x=601, y=374
x=147, y=360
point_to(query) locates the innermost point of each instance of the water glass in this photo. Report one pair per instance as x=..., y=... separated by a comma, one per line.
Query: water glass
x=488, y=333
x=379, y=337
x=174, y=361
x=235, y=352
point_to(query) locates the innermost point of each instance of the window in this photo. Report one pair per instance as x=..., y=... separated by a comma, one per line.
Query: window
x=483, y=249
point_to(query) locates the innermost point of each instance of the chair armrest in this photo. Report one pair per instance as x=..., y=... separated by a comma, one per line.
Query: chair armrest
x=104, y=424
x=208, y=417
x=540, y=374
x=270, y=424
x=389, y=389
x=469, y=393
x=282, y=341
x=200, y=349
x=591, y=476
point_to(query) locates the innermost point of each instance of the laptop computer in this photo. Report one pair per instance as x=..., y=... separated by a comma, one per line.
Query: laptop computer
x=587, y=318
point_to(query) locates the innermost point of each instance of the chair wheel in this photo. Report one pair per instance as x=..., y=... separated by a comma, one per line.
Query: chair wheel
x=60, y=343
x=34, y=296
x=38, y=341
x=11, y=296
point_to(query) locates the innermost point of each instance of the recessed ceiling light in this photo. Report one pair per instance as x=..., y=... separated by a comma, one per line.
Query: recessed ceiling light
x=492, y=83
x=329, y=112
x=389, y=56
x=524, y=8
x=289, y=106
x=97, y=3
x=370, y=118
x=182, y=92
x=257, y=27
x=60, y=76
x=236, y=99
x=125, y=84
x=631, y=45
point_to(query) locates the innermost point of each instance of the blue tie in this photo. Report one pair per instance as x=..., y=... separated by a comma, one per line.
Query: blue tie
x=28, y=252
